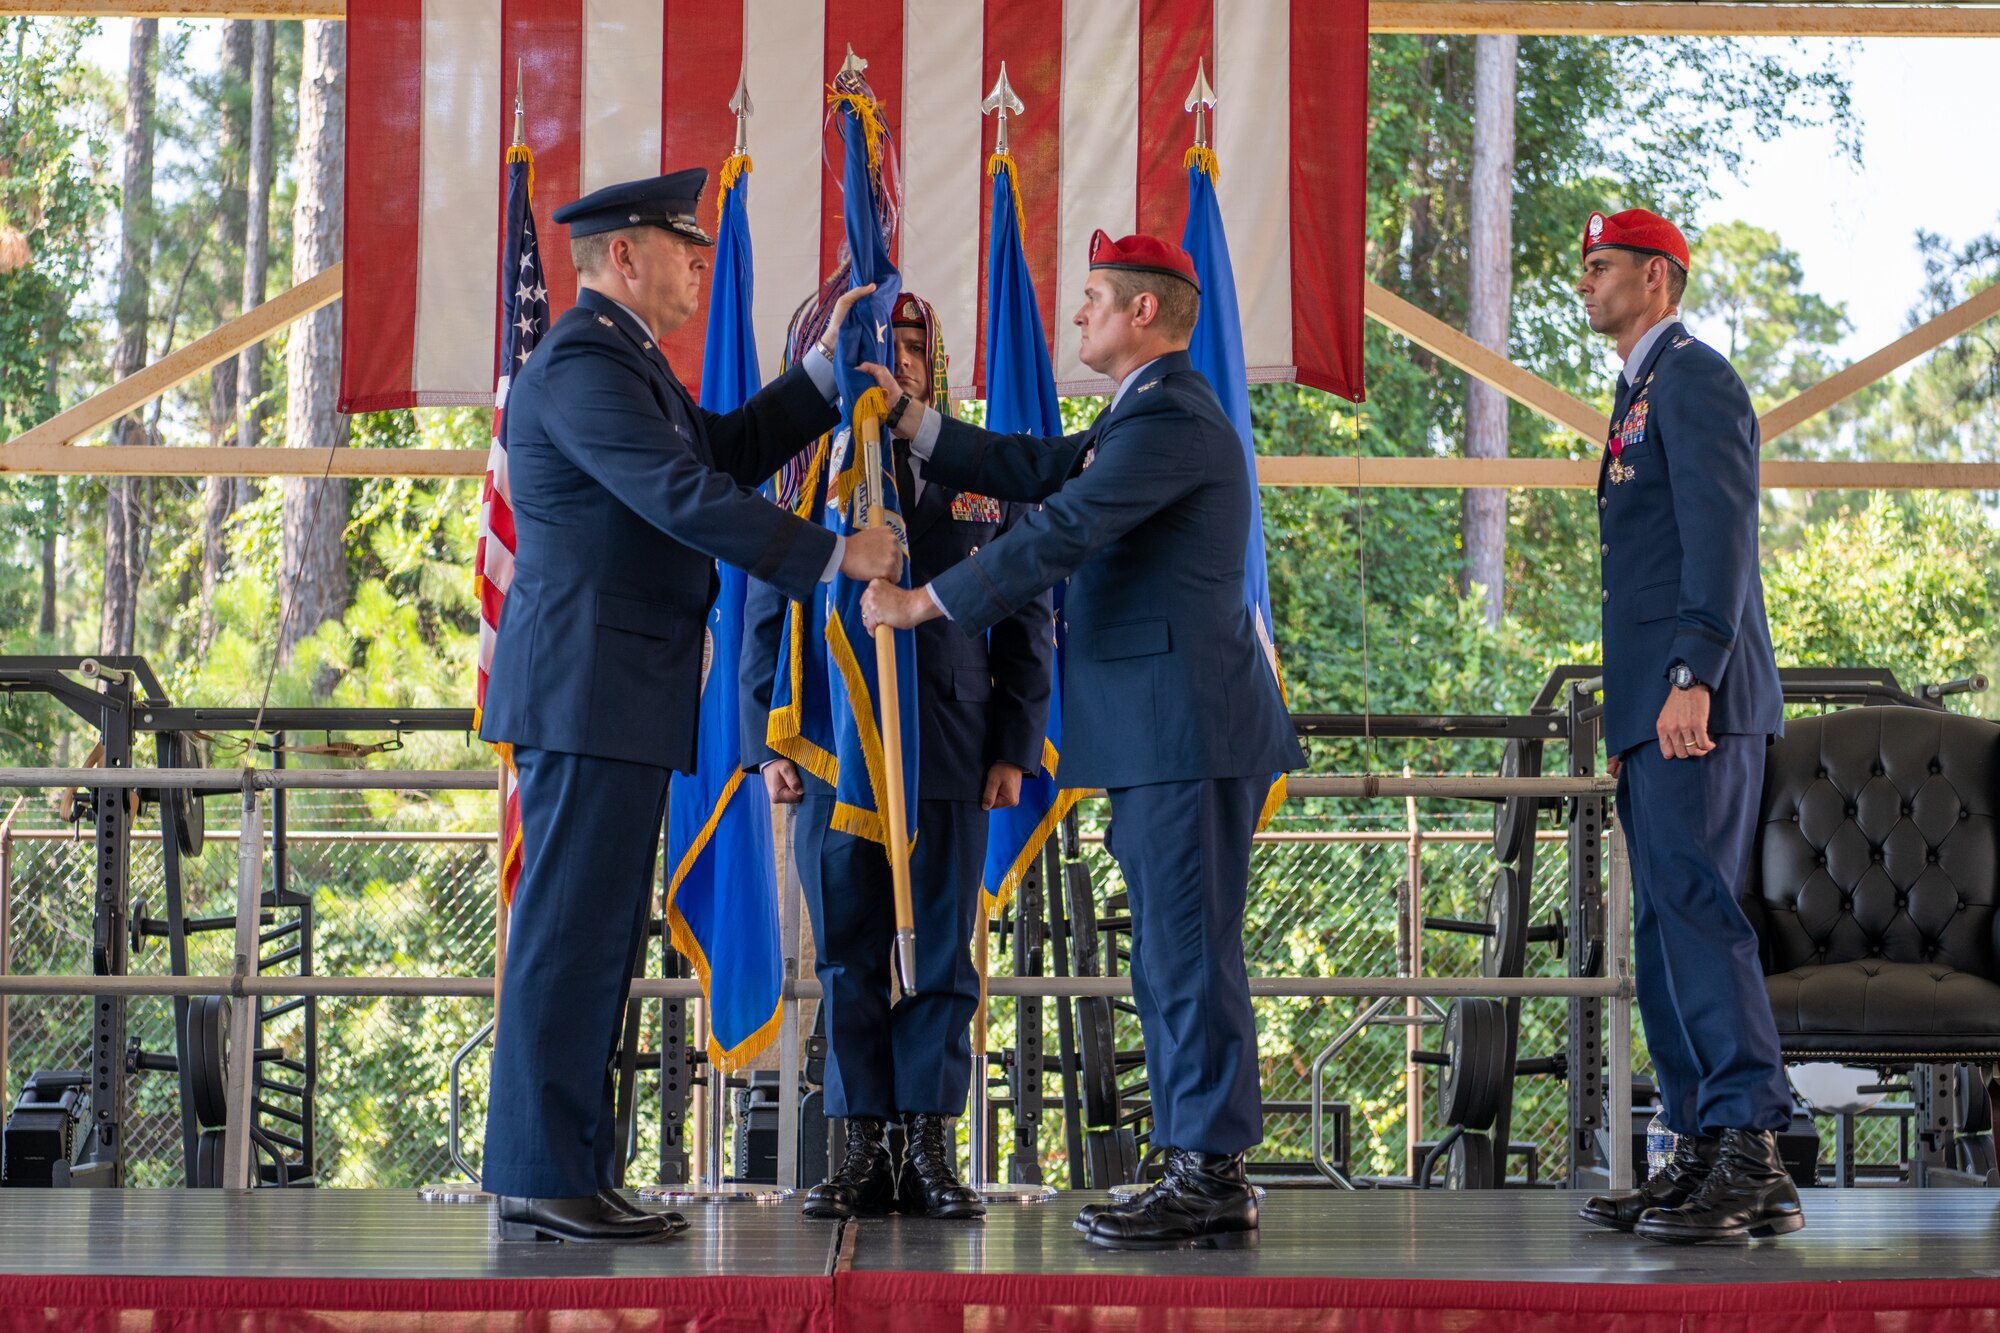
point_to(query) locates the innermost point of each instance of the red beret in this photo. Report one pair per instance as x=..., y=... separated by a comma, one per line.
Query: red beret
x=1143, y=254
x=1636, y=229
x=909, y=313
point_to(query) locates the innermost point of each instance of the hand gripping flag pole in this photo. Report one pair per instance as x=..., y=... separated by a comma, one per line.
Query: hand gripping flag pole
x=869, y=410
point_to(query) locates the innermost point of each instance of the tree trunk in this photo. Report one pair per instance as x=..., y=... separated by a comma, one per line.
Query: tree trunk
x=256, y=242
x=124, y=510
x=312, y=570
x=1490, y=284
x=223, y=381
x=45, y=622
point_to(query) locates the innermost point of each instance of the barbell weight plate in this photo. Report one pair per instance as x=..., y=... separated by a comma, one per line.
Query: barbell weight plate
x=1474, y=1079
x=1097, y=1058
x=1514, y=816
x=208, y=1055
x=1471, y=1166
x=208, y=1160
x=1504, y=953
x=1975, y=1108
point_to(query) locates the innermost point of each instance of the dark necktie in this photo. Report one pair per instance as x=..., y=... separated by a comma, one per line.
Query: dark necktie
x=906, y=480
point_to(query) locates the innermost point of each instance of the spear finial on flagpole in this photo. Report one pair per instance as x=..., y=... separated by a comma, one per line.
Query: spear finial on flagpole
x=1003, y=100
x=520, y=110
x=739, y=102
x=854, y=64
x=1199, y=99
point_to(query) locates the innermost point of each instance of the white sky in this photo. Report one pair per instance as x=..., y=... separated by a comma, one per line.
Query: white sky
x=1927, y=114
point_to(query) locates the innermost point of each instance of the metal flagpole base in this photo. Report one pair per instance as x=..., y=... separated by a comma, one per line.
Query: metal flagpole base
x=454, y=1191
x=1127, y=1193
x=728, y=1193
x=997, y=1193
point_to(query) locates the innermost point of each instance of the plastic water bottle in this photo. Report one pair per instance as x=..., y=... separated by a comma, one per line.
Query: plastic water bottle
x=1659, y=1145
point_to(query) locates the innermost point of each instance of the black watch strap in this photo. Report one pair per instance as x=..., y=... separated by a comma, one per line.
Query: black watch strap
x=896, y=413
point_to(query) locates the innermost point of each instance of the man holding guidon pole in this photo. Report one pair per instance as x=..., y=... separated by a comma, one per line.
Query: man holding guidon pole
x=982, y=705
x=1170, y=702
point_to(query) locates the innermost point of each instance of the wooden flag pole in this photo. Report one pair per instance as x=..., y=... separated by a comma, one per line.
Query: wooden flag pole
x=868, y=413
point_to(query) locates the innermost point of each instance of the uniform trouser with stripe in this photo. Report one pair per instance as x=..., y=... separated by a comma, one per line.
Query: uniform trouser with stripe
x=1689, y=824
x=915, y=1057
x=590, y=831
x=1185, y=850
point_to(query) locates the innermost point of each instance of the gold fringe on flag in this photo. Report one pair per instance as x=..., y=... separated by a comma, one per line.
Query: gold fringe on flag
x=1204, y=159
x=998, y=163
x=520, y=152
x=870, y=115
x=734, y=168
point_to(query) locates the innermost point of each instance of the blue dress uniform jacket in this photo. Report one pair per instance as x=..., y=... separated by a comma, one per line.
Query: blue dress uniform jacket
x=624, y=490
x=1147, y=513
x=1678, y=515
x=979, y=700
x=1679, y=547
x=1168, y=702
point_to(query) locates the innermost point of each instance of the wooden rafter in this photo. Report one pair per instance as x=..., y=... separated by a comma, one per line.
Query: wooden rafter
x=1544, y=18
x=1423, y=473
x=1961, y=318
x=177, y=368
x=1485, y=365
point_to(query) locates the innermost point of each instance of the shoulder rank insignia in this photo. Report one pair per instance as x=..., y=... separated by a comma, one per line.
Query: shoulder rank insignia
x=605, y=320
x=970, y=508
x=1149, y=384
x=1681, y=342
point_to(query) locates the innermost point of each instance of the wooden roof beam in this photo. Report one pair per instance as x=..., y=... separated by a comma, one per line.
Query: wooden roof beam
x=177, y=368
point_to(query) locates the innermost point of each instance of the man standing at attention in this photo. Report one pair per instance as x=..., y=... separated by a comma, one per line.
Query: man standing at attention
x=1691, y=701
x=982, y=717
x=625, y=493
x=1169, y=701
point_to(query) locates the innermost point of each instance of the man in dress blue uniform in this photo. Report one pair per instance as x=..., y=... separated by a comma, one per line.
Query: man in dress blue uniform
x=982, y=716
x=625, y=493
x=1691, y=701
x=1169, y=701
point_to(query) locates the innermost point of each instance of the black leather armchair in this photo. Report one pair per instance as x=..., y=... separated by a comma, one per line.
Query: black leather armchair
x=1875, y=887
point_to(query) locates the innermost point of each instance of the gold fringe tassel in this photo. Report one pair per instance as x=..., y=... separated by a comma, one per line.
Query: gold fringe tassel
x=870, y=115
x=1204, y=159
x=520, y=152
x=1004, y=162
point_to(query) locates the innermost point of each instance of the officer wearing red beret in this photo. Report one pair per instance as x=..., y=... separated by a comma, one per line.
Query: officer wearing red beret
x=1691, y=701
x=1169, y=702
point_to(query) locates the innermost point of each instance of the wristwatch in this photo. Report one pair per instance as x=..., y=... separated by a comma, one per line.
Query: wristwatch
x=1681, y=676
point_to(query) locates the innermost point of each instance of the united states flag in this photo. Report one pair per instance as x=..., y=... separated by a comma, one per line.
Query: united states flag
x=524, y=318
x=620, y=89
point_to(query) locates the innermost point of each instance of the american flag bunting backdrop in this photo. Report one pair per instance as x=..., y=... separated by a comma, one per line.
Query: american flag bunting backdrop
x=621, y=89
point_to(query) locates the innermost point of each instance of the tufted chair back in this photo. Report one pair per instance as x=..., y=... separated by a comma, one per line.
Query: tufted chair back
x=1875, y=886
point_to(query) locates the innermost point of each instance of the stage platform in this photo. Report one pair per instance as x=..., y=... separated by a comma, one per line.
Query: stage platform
x=202, y=1260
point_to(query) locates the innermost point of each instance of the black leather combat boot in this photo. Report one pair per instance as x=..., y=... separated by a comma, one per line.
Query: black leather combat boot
x=929, y=1183
x=865, y=1183
x=1670, y=1188
x=1203, y=1202
x=1748, y=1196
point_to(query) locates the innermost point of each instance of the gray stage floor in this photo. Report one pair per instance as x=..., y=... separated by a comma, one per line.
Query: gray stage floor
x=1511, y=1237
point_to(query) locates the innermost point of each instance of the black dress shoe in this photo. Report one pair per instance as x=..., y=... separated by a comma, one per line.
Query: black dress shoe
x=1748, y=1196
x=1670, y=1188
x=618, y=1203
x=1203, y=1202
x=586, y=1220
x=864, y=1185
x=929, y=1182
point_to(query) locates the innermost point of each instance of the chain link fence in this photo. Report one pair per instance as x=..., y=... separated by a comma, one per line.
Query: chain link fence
x=1323, y=902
